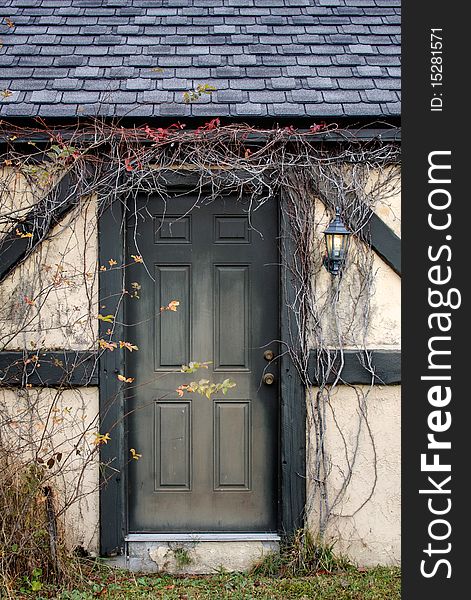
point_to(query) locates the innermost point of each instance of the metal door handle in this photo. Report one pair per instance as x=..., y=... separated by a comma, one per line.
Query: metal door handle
x=268, y=379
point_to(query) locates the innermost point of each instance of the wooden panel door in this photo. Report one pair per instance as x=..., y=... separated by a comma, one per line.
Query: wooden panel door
x=208, y=465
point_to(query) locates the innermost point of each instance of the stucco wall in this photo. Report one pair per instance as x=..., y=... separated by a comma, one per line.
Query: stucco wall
x=366, y=518
x=362, y=425
x=389, y=209
x=366, y=313
x=42, y=422
x=50, y=300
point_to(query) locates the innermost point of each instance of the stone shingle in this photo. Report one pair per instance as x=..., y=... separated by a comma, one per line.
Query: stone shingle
x=267, y=96
x=303, y=96
x=45, y=97
x=251, y=109
x=264, y=57
x=341, y=96
x=80, y=97
x=229, y=96
x=283, y=83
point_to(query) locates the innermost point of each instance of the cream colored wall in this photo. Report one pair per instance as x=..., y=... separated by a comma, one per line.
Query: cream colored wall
x=17, y=197
x=362, y=424
x=60, y=278
x=43, y=422
x=380, y=304
x=366, y=518
x=389, y=209
x=50, y=302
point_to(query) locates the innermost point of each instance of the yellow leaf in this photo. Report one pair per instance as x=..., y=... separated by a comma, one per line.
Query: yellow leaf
x=112, y=262
x=106, y=318
x=104, y=345
x=125, y=379
x=137, y=258
x=128, y=346
x=134, y=454
x=101, y=439
x=6, y=93
x=23, y=235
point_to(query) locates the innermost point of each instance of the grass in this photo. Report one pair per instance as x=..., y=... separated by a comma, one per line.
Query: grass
x=303, y=569
x=380, y=583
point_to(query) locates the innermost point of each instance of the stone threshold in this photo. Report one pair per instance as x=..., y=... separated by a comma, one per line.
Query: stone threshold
x=202, y=537
x=196, y=553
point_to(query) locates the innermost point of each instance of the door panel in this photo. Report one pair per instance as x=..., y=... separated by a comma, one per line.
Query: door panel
x=207, y=465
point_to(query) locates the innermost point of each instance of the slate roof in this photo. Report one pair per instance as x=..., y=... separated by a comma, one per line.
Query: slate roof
x=279, y=58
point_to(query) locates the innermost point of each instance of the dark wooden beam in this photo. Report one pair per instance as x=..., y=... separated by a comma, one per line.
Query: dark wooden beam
x=384, y=242
x=112, y=454
x=292, y=398
x=383, y=133
x=61, y=368
x=351, y=367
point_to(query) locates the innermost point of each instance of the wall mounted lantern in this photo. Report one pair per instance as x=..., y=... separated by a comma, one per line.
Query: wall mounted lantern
x=337, y=238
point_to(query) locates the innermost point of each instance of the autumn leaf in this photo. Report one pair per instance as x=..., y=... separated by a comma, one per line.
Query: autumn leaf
x=195, y=95
x=102, y=268
x=128, y=346
x=9, y=23
x=30, y=301
x=6, y=93
x=194, y=366
x=106, y=318
x=23, y=235
x=134, y=454
x=125, y=379
x=112, y=262
x=101, y=439
x=214, y=123
x=104, y=345
x=181, y=389
x=137, y=258
x=158, y=70
x=127, y=165
x=172, y=305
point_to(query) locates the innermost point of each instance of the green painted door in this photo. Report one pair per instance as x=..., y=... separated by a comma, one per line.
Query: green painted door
x=207, y=465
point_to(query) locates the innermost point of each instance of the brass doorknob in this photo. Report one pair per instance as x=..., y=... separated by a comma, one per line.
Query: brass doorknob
x=268, y=355
x=268, y=379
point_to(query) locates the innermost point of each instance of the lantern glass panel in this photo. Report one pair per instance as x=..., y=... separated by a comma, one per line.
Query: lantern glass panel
x=336, y=245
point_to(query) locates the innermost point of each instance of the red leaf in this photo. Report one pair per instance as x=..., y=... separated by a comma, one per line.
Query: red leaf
x=213, y=124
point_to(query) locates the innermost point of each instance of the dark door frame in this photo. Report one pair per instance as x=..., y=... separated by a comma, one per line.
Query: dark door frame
x=292, y=460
